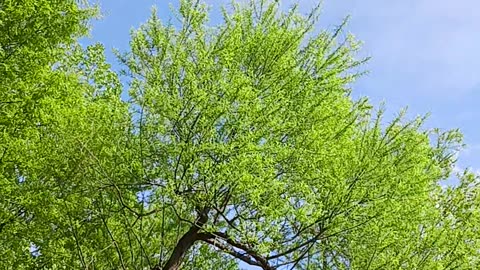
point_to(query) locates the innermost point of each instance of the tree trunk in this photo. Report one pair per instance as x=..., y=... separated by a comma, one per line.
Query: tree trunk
x=184, y=244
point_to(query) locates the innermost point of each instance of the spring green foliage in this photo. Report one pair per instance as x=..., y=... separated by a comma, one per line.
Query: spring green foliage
x=239, y=144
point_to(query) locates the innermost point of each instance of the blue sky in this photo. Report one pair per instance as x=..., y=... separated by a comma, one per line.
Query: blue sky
x=425, y=54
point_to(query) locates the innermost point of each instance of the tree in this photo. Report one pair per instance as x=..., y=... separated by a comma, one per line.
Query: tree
x=239, y=143
x=44, y=97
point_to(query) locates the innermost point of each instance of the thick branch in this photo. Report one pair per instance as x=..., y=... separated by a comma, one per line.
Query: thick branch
x=257, y=260
x=241, y=256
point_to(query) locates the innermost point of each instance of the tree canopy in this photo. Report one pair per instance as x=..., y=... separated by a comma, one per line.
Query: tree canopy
x=237, y=144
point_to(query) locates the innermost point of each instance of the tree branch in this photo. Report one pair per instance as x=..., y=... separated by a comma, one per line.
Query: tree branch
x=241, y=256
x=258, y=259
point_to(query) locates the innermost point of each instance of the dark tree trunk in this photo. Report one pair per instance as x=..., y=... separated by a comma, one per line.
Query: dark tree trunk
x=184, y=244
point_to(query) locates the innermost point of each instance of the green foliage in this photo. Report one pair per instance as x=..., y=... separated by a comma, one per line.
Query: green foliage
x=239, y=142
